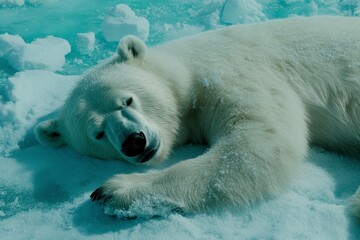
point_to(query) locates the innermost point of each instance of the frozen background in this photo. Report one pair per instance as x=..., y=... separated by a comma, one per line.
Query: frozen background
x=44, y=193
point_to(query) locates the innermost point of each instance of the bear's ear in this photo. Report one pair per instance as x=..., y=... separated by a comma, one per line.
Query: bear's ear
x=131, y=47
x=47, y=133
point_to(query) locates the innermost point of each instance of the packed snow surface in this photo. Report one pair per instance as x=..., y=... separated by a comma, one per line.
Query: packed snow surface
x=44, y=192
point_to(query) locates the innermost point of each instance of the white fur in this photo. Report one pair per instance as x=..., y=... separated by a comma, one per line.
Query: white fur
x=257, y=94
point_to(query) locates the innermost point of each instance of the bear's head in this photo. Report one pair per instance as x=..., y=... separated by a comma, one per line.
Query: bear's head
x=120, y=110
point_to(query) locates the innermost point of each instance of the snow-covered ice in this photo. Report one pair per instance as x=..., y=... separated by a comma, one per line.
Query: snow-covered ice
x=44, y=192
x=86, y=42
x=42, y=53
x=10, y=43
x=122, y=21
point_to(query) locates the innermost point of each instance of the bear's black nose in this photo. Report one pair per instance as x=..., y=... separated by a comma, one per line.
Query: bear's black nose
x=134, y=145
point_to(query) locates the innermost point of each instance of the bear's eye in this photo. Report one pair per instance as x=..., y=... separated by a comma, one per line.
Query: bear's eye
x=100, y=135
x=129, y=101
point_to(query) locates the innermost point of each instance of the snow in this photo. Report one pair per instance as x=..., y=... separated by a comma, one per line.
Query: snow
x=44, y=192
x=174, y=31
x=122, y=21
x=29, y=95
x=43, y=53
x=86, y=42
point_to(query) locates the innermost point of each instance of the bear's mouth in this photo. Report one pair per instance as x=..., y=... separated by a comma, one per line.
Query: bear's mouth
x=150, y=152
x=148, y=155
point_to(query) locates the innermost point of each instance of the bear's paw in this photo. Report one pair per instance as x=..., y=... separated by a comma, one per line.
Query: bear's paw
x=131, y=196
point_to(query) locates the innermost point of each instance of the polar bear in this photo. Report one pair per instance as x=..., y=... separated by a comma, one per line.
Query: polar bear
x=257, y=95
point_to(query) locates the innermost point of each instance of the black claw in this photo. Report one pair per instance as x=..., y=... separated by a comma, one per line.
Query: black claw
x=100, y=196
x=97, y=195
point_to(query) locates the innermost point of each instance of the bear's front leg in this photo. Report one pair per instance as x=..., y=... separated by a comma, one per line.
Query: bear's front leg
x=181, y=188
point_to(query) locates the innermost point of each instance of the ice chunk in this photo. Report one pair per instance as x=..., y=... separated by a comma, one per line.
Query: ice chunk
x=43, y=53
x=12, y=3
x=242, y=11
x=210, y=13
x=122, y=21
x=10, y=42
x=86, y=42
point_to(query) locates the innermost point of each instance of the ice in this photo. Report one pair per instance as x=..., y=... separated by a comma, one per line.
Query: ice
x=209, y=15
x=122, y=21
x=242, y=11
x=44, y=192
x=10, y=42
x=43, y=53
x=86, y=42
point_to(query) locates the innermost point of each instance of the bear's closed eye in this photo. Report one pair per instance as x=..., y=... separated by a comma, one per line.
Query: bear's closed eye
x=100, y=135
